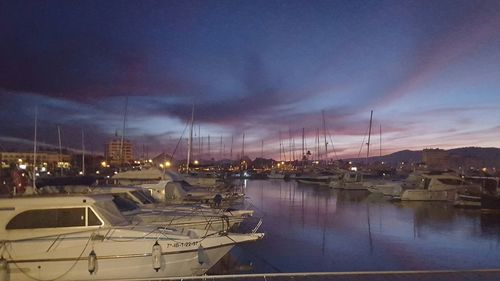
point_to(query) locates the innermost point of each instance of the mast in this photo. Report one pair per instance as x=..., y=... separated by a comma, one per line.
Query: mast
x=220, y=149
x=83, y=154
x=60, y=148
x=317, y=144
x=200, y=152
x=123, y=132
x=262, y=149
x=190, y=141
x=231, y=151
x=303, y=144
x=324, y=133
x=369, y=134
x=380, y=142
x=34, y=153
x=243, y=147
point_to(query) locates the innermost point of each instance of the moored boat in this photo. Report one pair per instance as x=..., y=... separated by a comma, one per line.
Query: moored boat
x=86, y=237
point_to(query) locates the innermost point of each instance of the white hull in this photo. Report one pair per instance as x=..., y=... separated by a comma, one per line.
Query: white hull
x=118, y=257
x=389, y=189
x=347, y=185
x=173, y=265
x=426, y=195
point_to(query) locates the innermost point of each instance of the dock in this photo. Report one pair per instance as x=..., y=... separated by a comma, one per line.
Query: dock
x=418, y=275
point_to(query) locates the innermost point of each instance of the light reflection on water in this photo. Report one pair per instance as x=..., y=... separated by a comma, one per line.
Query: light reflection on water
x=311, y=228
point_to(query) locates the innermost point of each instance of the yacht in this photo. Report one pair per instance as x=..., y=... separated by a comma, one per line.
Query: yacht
x=140, y=207
x=436, y=187
x=169, y=185
x=87, y=238
x=349, y=180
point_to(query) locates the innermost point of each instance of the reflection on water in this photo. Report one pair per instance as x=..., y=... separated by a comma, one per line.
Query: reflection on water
x=311, y=228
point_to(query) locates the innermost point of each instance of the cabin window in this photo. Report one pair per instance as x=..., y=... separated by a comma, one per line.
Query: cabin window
x=143, y=197
x=124, y=204
x=451, y=181
x=48, y=218
x=92, y=218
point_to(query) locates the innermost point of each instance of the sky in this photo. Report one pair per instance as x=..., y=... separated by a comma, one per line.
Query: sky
x=269, y=70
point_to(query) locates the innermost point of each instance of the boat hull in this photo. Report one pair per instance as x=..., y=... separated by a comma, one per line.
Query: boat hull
x=119, y=256
x=490, y=203
x=426, y=195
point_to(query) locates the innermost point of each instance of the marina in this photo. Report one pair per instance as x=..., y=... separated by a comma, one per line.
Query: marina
x=314, y=229
x=250, y=140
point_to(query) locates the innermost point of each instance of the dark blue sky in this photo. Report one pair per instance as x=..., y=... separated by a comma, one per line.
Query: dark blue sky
x=429, y=69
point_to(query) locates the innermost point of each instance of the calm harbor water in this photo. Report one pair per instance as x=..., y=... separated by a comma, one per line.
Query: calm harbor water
x=310, y=228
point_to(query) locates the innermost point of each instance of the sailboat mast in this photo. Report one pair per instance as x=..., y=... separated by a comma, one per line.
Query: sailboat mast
x=60, y=148
x=369, y=134
x=220, y=149
x=34, y=152
x=231, y=151
x=303, y=143
x=123, y=132
x=380, y=141
x=262, y=149
x=317, y=144
x=190, y=141
x=83, y=154
x=243, y=147
x=324, y=133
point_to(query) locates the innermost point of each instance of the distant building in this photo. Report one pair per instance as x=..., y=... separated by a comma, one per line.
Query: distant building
x=49, y=159
x=116, y=153
x=436, y=159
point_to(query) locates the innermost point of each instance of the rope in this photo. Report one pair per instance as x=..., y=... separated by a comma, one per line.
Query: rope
x=58, y=277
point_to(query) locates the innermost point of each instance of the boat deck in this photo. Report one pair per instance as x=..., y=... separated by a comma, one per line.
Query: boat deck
x=437, y=275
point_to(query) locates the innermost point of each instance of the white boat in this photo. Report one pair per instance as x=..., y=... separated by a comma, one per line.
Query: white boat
x=201, y=179
x=349, y=180
x=169, y=185
x=139, y=206
x=318, y=178
x=385, y=187
x=87, y=238
x=436, y=187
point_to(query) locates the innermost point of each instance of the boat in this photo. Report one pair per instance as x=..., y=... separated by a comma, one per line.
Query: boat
x=139, y=206
x=385, y=187
x=276, y=175
x=87, y=238
x=169, y=185
x=490, y=197
x=206, y=219
x=436, y=187
x=349, y=180
x=322, y=178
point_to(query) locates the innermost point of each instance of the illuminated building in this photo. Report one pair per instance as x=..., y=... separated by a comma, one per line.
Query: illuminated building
x=116, y=154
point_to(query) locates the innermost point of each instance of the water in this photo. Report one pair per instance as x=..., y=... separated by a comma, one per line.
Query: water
x=313, y=229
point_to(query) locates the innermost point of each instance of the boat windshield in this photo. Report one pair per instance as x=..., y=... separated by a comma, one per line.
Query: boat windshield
x=144, y=197
x=108, y=211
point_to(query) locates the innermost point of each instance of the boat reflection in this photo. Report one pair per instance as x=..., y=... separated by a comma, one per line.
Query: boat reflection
x=312, y=228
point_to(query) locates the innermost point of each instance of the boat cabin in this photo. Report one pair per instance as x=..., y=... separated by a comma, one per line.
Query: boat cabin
x=33, y=217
